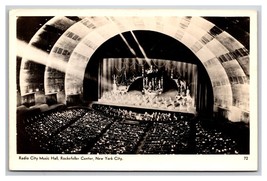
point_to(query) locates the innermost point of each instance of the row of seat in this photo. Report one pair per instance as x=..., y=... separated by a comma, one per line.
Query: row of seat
x=166, y=138
x=120, y=138
x=77, y=136
x=213, y=142
x=43, y=127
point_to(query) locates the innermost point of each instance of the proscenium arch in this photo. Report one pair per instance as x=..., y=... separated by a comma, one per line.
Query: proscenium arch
x=157, y=47
x=216, y=49
x=196, y=33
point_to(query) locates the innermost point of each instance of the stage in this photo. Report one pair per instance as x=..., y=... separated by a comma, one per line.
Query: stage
x=137, y=113
x=143, y=108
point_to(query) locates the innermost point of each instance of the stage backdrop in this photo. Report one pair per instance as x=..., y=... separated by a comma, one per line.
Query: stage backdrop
x=173, y=77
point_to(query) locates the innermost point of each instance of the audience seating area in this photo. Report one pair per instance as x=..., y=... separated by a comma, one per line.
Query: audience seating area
x=213, y=142
x=104, y=130
x=79, y=135
x=121, y=138
x=42, y=127
x=166, y=138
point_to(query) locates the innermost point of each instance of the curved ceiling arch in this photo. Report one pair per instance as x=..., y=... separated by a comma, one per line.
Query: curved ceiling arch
x=183, y=34
x=58, y=58
x=31, y=71
x=209, y=43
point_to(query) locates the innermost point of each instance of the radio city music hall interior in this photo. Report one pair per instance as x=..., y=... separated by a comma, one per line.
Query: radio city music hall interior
x=133, y=85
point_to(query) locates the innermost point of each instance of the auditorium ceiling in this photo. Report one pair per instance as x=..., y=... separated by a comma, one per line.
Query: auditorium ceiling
x=59, y=49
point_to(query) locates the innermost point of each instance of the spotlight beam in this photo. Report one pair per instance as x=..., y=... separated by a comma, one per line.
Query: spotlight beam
x=130, y=48
x=141, y=48
x=125, y=41
x=31, y=53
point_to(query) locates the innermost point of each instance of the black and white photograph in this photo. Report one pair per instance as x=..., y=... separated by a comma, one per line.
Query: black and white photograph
x=164, y=90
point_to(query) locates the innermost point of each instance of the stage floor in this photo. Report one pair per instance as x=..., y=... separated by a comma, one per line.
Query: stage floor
x=181, y=109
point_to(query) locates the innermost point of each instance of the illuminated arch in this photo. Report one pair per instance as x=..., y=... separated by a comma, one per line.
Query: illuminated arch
x=225, y=59
x=29, y=69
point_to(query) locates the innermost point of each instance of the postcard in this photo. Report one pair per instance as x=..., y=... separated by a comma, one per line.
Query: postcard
x=133, y=90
